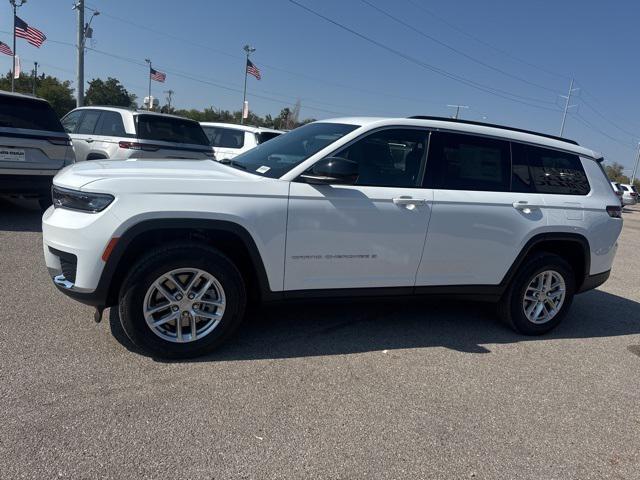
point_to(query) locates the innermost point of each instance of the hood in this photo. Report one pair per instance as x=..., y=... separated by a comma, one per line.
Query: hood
x=81, y=174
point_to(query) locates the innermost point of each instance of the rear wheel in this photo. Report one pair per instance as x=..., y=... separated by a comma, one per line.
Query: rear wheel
x=539, y=295
x=182, y=301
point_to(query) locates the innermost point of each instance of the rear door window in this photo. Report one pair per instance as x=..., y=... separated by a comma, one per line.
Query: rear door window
x=468, y=162
x=224, y=137
x=88, y=122
x=549, y=171
x=70, y=121
x=170, y=129
x=28, y=113
x=111, y=125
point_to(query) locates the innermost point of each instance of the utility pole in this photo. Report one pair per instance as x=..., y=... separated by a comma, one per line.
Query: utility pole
x=80, y=56
x=635, y=167
x=566, y=105
x=149, y=105
x=84, y=32
x=249, y=50
x=169, y=95
x=16, y=4
x=35, y=77
x=457, y=107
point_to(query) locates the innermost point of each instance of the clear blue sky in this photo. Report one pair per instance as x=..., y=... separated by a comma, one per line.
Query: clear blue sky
x=334, y=72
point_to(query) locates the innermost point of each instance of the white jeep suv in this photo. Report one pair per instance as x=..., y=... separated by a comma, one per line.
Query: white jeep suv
x=100, y=133
x=229, y=140
x=352, y=206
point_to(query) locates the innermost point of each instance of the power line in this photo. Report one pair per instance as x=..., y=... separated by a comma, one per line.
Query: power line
x=588, y=124
x=453, y=49
x=267, y=65
x=493, y=91
x=485, y=43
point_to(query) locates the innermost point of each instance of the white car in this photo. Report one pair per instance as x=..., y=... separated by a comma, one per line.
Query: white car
x=618, y=191
x=230, y=140
x=629, y=194
x=112, y=133
x=345, y=207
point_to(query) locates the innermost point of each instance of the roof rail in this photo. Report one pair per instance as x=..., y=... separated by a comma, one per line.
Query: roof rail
x=483, y=124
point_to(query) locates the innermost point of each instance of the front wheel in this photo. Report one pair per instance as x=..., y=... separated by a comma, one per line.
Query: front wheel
x=182, y=301
x=539, y=295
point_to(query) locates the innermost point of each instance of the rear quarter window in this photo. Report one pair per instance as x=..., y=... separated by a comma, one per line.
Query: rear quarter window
x=170, y=129
x=555, y=172
x=31, y=114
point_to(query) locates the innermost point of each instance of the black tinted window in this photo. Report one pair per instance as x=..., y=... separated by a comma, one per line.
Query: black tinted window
x=18, y=112
x=111, y=125
x=170, y=129
x=88, y=122
x=225, y=137
x=468, y=162
x=264, y=136
x=555, y=172
x=520, y=174
x=389, y=158
x=70, y=121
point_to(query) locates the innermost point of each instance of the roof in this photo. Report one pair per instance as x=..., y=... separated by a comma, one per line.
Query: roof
x=246, y=128
x=21, y=95
x=131, y=111
x=477, y=128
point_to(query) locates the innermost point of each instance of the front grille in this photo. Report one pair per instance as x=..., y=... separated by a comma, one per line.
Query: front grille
x=68, y=264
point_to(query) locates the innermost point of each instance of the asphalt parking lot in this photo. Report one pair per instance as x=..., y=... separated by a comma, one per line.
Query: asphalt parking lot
x=413, y=389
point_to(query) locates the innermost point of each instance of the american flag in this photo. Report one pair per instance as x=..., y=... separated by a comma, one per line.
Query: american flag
x=157, y=76
x=253, y=70
x=4, y=48
x=32, y=35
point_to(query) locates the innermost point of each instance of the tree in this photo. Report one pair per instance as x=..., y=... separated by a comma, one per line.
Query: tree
x=615, y=173
x=57, y=92
x=108, y=92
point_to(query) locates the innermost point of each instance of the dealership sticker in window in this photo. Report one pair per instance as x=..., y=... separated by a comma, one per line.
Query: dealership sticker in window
x=263, y=169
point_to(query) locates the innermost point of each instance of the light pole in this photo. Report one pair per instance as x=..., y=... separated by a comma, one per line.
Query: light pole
x=35, y=77
x=249, y=50
x=457, y=107
x=16, y=4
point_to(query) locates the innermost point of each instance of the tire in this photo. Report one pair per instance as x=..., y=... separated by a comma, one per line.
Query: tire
x=511, y=308
x=139, y=291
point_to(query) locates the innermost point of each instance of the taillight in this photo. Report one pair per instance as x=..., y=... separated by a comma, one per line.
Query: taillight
x=60, y=141
x=147, y=147
x=614, y=211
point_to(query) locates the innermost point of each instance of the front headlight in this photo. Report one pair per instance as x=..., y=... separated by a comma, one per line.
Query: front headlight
x=84, y=201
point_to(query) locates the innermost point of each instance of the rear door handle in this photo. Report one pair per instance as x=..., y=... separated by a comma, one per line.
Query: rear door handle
x=88, y=140
x=409, y=201
x=525, y=206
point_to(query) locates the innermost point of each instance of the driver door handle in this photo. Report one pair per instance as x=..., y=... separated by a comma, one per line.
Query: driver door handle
x=524, y=205
x=88, y=140
x=409, y=201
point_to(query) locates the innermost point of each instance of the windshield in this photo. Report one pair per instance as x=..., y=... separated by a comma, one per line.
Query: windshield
x=279, y=155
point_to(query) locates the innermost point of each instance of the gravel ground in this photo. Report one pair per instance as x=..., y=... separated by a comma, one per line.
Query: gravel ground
x=413, y=389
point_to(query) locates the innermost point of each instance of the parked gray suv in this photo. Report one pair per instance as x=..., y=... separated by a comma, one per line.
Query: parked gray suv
x=33, y=147
x=101, y=133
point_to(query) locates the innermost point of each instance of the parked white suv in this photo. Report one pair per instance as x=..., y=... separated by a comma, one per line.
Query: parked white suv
x=629, y=194
x=229, y=140
x=353, y=206
x=101, y=133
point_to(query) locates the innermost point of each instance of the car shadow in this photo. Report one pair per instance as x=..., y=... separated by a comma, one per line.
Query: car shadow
x=20, y=215
x=345, y=327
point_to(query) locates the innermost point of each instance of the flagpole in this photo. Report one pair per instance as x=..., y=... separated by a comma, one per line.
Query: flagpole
x=248, y=50
x=149, y=62
x=13, y=70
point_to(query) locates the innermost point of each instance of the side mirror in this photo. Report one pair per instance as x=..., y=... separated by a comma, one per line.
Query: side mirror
x=332, y=170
